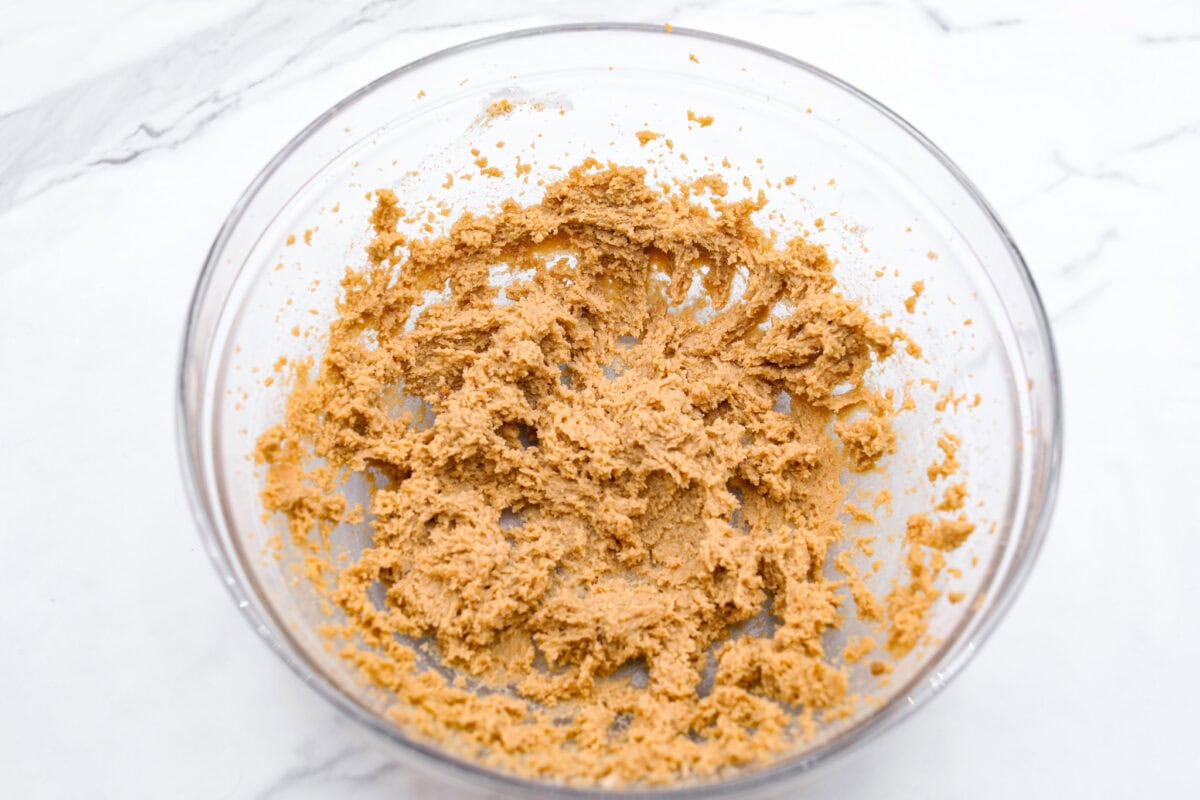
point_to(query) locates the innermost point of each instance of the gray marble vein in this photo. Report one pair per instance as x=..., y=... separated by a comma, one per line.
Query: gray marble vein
x=1171, y=137
x=344, y=768
x=1169, y=38
x=1104, y=173
x=167, y=98
x=99, y=121
x=1089, y=257
x=946, y=25
x=1081, y=279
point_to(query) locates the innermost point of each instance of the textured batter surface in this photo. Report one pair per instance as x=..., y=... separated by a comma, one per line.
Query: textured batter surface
x=598, y=433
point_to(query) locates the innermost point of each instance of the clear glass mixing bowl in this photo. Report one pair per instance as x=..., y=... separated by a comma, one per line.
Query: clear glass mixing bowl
x=894, y=210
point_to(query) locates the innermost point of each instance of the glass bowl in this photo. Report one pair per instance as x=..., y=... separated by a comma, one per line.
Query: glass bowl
x=893, y=210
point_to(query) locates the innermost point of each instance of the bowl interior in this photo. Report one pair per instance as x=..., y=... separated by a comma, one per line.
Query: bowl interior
x=834, y=166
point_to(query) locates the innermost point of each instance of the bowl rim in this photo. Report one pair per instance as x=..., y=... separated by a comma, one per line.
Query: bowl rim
x=946, y=662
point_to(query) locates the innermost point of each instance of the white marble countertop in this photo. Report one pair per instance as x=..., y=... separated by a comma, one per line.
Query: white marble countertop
x=128, y=128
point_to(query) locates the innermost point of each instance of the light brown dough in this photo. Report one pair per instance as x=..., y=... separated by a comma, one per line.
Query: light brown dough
x=600, y=471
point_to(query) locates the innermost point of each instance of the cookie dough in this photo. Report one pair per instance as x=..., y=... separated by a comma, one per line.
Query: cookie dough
x=598, y=434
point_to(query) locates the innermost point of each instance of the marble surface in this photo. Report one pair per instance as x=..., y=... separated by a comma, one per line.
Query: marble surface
x=128, y=128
